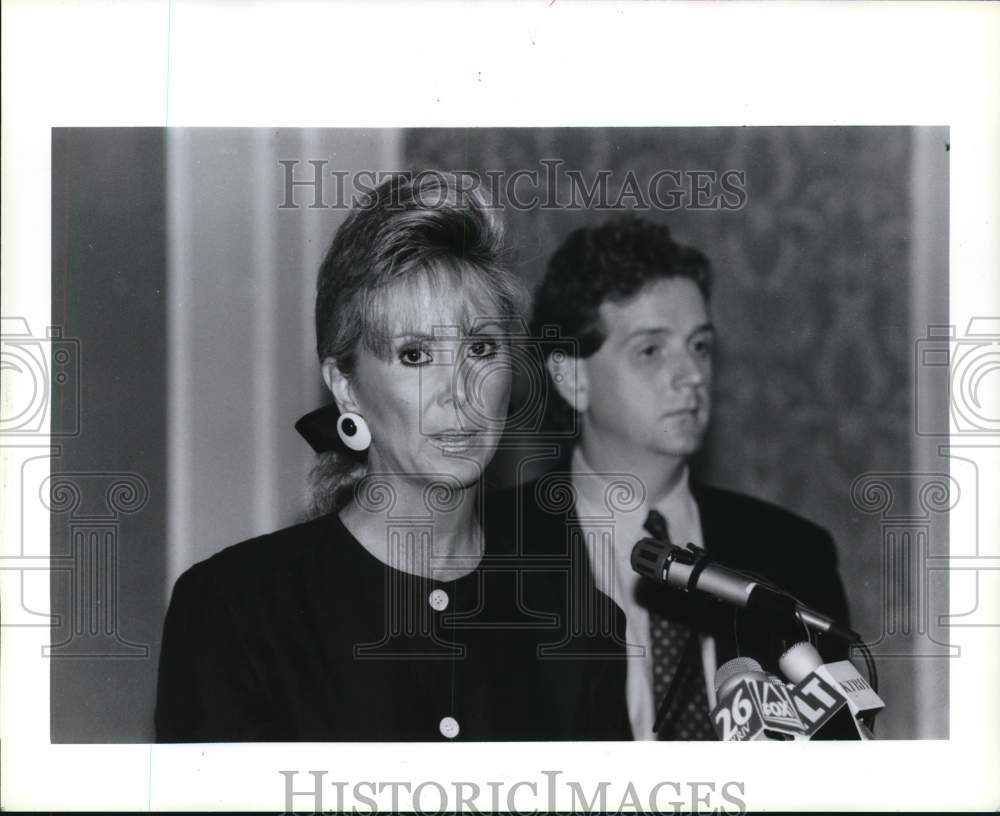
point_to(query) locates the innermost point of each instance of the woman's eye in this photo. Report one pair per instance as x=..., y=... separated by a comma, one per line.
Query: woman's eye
x=483, y=348
x=649, y=351
x=414, y=356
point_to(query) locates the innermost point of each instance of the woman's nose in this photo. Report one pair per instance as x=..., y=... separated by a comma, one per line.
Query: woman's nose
x=454, y=386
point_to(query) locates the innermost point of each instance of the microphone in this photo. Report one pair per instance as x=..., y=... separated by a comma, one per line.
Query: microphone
x=753, y=705
x=831, y=698
x=799, y=660
x=862, y=699
x=690, y=568
x=734, y=716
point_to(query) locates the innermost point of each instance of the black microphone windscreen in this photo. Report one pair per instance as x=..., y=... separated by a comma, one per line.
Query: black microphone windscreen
x=648, y=557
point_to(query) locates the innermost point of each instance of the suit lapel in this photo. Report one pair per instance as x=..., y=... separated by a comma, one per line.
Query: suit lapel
x=714, y=532
x=715, y=617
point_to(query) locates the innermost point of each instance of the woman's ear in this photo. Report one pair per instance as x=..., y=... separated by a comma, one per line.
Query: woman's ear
x=569, y=376
x=340, y=386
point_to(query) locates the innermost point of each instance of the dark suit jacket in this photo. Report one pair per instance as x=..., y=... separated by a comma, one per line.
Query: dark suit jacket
x=796, y=555
x=739, y=531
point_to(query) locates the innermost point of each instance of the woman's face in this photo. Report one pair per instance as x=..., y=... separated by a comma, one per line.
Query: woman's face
x=436, y=407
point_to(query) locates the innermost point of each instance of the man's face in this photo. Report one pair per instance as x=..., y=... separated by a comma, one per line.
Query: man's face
x=647, y=387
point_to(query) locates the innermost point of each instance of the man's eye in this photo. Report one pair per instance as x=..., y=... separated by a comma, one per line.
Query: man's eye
x=649, y=351
x=483, y=348
x=414, y=356
x=703, y=346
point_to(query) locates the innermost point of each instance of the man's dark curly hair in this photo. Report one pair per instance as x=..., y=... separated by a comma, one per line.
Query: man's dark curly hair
x=610, y=262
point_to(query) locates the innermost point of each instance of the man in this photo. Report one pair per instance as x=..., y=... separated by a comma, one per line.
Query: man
x=633, y=370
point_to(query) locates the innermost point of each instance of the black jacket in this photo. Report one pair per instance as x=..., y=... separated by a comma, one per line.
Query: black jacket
x=304, y=635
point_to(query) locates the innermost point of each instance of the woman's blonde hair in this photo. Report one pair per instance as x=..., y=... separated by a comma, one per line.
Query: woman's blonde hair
x=424, y=228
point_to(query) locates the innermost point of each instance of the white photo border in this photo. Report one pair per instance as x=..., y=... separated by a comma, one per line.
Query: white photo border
x=532, y=63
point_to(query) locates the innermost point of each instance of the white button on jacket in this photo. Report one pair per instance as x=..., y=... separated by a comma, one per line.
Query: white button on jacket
x=449, y=727
x=438, y=600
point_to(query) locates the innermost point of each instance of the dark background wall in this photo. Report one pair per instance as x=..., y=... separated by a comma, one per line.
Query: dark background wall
x=812, y=294
x=108, y=486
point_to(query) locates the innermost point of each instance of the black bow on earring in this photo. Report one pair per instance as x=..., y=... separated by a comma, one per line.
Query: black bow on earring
x=319, y=429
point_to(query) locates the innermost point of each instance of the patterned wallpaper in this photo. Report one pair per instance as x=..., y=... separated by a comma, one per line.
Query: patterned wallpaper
x=812, y=297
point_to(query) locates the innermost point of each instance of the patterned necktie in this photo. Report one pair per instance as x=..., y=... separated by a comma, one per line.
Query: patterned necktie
x=675, y=648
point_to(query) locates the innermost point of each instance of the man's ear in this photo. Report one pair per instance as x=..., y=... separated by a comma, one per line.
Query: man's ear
x=340, y=386
x=569, y=375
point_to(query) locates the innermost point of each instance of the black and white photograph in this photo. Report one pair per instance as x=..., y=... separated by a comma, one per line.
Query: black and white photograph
x=573, y=443
x=440, y=404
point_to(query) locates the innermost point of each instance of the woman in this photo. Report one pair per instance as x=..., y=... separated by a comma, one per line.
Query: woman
x=406, y=612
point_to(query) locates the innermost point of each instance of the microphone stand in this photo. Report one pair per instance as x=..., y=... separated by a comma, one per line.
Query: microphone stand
x=782, y=609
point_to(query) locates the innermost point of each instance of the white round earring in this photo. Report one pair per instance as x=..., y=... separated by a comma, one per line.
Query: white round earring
x=354, y=431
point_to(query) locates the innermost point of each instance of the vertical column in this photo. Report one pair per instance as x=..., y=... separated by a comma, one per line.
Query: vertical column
x=589, y=614
x=905, y=543
x=94, y=503
x=408, y=630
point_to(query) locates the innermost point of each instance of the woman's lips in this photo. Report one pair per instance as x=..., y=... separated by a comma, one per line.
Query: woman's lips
x=453, y=440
